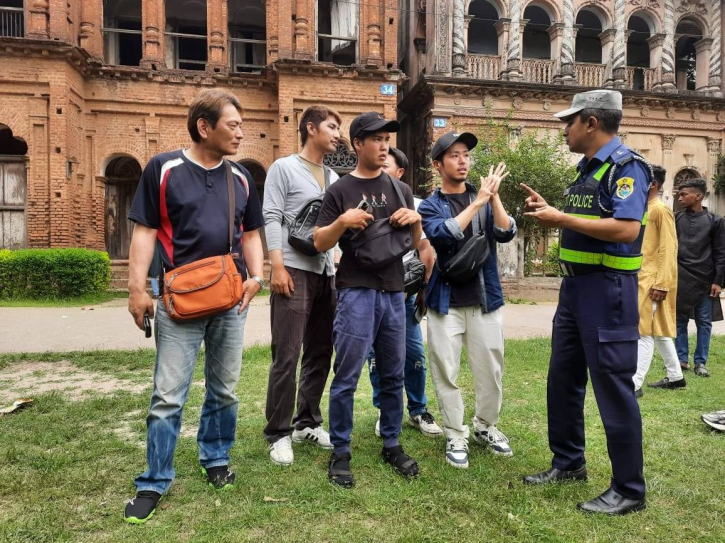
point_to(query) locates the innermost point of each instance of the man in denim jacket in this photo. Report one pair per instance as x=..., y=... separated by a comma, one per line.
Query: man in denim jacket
x=469, y=311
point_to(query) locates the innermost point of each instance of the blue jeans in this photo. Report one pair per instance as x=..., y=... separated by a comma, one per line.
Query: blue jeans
x=415, y=370
x=367, y=318
x=177, y=348
x=703, y=321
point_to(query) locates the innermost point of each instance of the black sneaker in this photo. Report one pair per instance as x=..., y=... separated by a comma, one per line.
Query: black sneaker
x=666, y=383
x=701, y=370
x=402, y=463
x=141, y=507
x=220, y=477
x=638, y=393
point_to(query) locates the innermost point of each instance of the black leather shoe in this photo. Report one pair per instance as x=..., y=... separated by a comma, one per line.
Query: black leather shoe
x=612, y=503
x=554, y=475
x=666, y=383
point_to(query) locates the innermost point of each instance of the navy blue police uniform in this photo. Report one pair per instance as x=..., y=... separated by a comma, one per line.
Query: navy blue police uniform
x=596, y=321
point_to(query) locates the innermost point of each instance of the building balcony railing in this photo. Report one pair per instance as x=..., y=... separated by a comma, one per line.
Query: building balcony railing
x=11, y=23
x=537, y=71
x=640, y=78
x=590, y=75
x=483, y=66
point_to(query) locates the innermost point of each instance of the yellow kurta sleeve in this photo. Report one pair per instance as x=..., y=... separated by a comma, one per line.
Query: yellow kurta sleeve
x=666, y=276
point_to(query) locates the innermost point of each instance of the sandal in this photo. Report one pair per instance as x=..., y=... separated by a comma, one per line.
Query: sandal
x=338, y=471
x=402, y=463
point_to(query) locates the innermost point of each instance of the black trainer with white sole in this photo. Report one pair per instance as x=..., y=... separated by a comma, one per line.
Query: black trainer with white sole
x=141, y=507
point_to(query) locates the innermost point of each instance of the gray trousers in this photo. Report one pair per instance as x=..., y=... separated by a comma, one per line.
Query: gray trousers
x=304, y=320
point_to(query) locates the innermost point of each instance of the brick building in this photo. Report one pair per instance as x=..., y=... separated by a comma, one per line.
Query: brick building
x=467, y=59
x=91, y=89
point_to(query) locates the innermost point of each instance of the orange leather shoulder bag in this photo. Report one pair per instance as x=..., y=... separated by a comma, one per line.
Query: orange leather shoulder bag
x=209, y=285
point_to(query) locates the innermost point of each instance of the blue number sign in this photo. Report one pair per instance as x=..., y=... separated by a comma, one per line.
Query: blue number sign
x=387, y=90
x=439, y=123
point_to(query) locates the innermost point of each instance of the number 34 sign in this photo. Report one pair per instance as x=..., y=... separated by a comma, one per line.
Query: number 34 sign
x=387, y=90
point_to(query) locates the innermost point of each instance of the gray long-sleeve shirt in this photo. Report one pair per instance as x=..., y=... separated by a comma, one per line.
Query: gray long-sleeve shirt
x=701, y=243
x=289, y=185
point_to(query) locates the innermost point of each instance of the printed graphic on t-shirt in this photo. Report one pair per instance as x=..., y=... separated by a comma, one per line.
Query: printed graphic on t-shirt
x=375, y=200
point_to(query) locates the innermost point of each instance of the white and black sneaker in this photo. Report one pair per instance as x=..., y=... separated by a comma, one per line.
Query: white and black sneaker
x=426, y=424
x=493, y=438
x=317, y=435
x=141, y=507
x=280, y=452
x=457, y=452
x=715, y=420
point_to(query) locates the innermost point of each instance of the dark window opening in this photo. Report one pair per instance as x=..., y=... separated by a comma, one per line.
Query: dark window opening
x=247, y=35
x=12, y=19
x=186, y=34
x=537, y=43
x=337, y=31
x=482, y=35
x=588, y=47
x=122, y=35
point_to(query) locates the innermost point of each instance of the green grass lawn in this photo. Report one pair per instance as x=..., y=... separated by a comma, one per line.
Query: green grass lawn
x=78, y=301
x=66, y=470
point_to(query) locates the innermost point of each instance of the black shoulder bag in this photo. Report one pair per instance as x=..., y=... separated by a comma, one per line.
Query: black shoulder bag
x=381, y=243
x=302, y=227
x=467, y=262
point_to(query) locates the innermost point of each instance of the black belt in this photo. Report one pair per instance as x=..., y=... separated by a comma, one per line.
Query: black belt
x=572, y=270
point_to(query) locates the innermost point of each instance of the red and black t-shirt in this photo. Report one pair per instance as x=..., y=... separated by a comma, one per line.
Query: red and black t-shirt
x=189, y=206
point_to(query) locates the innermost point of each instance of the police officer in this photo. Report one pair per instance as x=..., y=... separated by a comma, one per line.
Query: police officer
x=596, y=321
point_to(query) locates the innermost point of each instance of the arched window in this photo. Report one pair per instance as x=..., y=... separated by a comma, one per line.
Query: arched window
x=186, y=45
x=588, y=45
x=13, y=190
x=12, y=19
x=537, y=42
x=122, y=176
x=687, y=34
x=482, y=35
x=637, y=47
x=247, y=35
x=122, y=36
x=337, y=31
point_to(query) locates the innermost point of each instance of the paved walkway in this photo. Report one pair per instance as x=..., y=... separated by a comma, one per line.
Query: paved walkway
x=109, y=326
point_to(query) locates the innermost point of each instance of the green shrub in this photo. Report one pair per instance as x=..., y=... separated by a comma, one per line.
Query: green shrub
x=53, y=273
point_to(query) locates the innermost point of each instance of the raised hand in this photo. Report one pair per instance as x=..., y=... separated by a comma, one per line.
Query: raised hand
x=535, y=200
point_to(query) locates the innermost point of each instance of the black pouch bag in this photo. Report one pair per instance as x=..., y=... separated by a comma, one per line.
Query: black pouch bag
x=467, y=262
x=302, y=227
x=382, y=243
x=414, y=275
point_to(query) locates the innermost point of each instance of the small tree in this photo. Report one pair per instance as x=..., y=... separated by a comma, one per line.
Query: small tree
x=539, y=161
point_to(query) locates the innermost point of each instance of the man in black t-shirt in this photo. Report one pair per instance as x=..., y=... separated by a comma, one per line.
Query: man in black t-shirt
x=371, y=304
x=181, y=209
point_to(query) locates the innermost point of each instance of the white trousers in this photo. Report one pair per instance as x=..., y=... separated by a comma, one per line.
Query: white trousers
x=645, y=351
x=482, y=334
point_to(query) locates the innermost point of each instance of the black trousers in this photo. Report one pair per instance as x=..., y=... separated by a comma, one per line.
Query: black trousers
x=596, y=328
x=304, y=320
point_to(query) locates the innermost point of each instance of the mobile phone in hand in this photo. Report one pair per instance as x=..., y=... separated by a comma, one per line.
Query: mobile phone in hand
x=364, y=205
x=147, y=325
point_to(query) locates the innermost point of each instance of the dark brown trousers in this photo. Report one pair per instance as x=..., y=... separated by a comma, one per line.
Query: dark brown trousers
x=302, y=322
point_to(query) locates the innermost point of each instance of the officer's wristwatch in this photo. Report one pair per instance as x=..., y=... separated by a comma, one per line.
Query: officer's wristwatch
x=259, y=280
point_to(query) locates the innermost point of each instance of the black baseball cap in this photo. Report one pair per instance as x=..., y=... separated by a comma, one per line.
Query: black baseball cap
x=370, y=122
x=446, y=140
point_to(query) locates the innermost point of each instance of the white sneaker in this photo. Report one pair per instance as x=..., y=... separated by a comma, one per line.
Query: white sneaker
x=457, y=452
x=493, y=438
x=426, y=424
x=317, y=435
x=280, y=452
x=377, y=425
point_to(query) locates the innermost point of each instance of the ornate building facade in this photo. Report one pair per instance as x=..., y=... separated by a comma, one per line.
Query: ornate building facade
x=91, y=89
x=525, y=59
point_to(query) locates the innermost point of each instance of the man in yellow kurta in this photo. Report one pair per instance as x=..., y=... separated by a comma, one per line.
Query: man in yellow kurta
x=658, y=291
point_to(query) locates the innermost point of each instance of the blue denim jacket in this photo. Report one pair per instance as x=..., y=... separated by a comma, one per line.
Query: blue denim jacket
x=444, y=232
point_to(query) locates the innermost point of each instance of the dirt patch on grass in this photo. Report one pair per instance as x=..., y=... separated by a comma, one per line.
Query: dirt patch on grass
x=29, y=379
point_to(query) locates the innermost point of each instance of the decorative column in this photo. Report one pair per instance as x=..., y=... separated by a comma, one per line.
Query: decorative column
x=459, y=45
x=38, y=25
x=90, y=29
x=154, y=20
x=513, y=58
x=374, y=35
x=666, y=82
x=502, y=30
x=607, y=40
x=655, y=43
x=715, y=77
x=442, y=43
x=619, y=57
x=567, y=72
x=217, y=36
x=702, y=62
x=302, y=31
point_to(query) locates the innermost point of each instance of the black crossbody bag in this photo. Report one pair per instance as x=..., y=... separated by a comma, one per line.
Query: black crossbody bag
x=302, y=228
x=466, y=263
x=381, y=243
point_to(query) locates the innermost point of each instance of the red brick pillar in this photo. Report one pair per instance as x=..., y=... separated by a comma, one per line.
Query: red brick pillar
x=272, y=12
x=38, y=19
x=217, y=36
x=91, y=24
x=304, y=29
x=284, y=29
x=153, y=23
x=373, y=34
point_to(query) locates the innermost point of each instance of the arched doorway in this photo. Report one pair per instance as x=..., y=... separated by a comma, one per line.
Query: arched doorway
x=638, y=52
x=259, y=176
x=13, y=190
x=588, y=48
x=536, y=39
x=343, y=160
x=688, y=34
x=122, y=176
x=683, y=175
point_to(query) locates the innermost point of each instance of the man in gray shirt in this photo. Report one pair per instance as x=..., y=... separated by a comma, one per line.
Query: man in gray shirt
x=303, y=292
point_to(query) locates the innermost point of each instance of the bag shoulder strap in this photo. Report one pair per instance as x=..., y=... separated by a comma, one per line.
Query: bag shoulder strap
x=327, y=176
x=397, y=190
x=232, y=202
x=481, y=220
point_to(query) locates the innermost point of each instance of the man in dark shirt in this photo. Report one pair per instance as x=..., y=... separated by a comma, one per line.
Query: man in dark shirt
x=467, y=312
x=370, y=304
x=701, y=272
x=182, y=209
